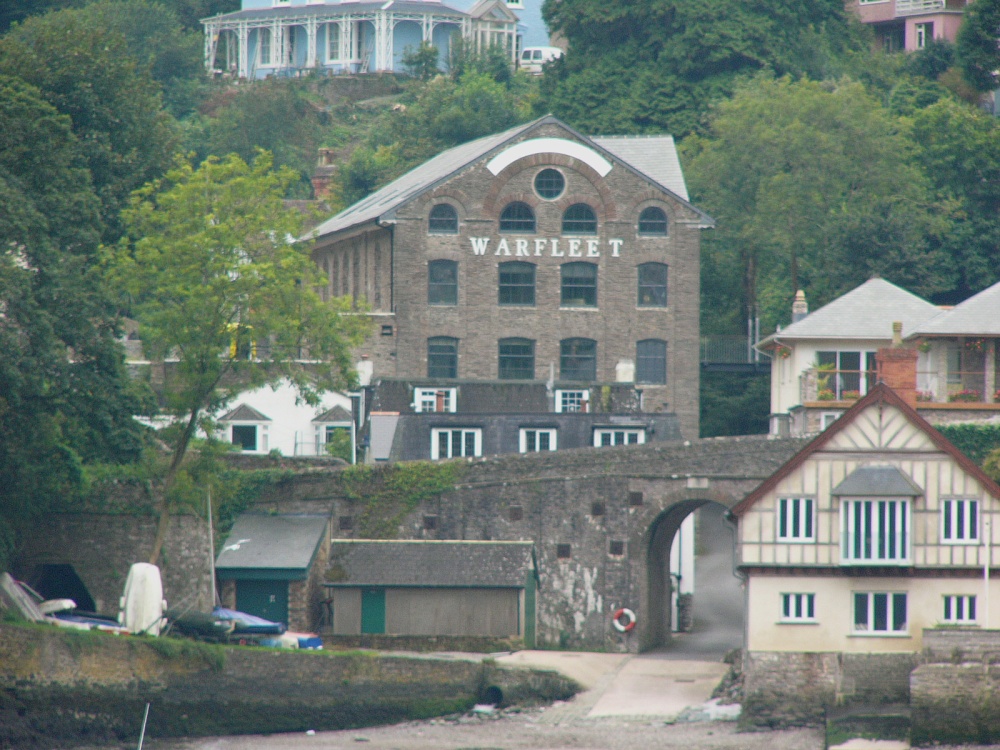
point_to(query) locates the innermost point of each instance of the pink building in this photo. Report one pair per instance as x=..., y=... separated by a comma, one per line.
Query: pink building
x=910, y=24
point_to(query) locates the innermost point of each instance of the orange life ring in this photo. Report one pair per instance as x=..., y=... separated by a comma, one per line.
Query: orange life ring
x=623, y=619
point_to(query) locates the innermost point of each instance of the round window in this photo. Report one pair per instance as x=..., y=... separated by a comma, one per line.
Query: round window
x=549, y=184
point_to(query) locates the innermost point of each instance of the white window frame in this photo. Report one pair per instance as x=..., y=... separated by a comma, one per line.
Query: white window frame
x=262, y=436
x=873, y=599
x=827, y=418
x=796, y=517
x=332, y=56
x=626, y=432
x=425, y=400
x=270, y=61
x=959, y=609
x=572, y=401
x=798, y=607
x=882, y=529
x=462, y=432
x=920, y=32
x=550, y=432
x=958, y=514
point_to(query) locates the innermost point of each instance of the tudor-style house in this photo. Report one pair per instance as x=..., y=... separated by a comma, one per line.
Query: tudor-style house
x=532, y=290
x=877, y=529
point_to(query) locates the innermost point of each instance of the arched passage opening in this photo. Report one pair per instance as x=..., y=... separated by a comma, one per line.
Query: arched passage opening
x=60, y=581
x=708, y=600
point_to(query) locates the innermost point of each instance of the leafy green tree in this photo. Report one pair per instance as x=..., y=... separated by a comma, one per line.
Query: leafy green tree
x=421, y=61
x=65, y=398
x=492, y=60
x=670, y=59
x=977, y=50
x=274, y=116
x=813, y=186
x=217, y=282
x=87, y=73
x=959, y=147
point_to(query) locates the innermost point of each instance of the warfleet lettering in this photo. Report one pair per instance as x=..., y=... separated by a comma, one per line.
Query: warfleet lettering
x=573, y=248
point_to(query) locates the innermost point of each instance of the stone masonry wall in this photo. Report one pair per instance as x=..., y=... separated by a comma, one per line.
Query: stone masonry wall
x=783, y=689
x=64, y=687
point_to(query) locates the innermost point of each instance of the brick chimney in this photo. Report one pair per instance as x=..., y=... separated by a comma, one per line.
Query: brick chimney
x=326, y=167
x=896, y=366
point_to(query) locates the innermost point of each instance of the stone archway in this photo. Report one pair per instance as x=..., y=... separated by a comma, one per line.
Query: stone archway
x=717, y=595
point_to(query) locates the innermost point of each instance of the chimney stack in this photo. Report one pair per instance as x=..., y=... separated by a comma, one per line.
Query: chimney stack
x=897, y=367
x=799, y=307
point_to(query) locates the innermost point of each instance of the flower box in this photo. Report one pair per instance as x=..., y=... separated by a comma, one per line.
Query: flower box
x=968, y=395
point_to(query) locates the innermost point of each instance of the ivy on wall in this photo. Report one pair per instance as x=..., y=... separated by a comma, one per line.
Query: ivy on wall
x=976, y=441
x=385, y=495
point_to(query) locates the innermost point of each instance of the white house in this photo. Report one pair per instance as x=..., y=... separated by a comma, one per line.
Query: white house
x=272, y=419
x=825, y=360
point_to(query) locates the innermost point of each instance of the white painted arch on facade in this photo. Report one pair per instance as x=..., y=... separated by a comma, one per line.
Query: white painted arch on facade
x=549, y=146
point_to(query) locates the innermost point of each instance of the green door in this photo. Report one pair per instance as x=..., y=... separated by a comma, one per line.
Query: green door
x=373, y=611
x=267, y=599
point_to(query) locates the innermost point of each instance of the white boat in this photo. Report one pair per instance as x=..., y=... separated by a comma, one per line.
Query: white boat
x=142, y=604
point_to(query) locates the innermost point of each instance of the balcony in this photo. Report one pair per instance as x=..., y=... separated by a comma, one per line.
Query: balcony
x=823, y=384
x=923, y=7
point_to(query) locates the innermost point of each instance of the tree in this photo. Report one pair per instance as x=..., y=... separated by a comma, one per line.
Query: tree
x=813, y=186
x=959, y=148
x=87, y=73
x=977, y=49
x=670, y=59
x=218, y=284
x=65, y=398
x=421, y=61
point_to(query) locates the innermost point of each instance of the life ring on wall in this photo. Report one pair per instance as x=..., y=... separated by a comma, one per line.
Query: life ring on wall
x=623, y=619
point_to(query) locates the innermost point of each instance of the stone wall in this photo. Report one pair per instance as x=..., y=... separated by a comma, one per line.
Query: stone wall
x=59, y=688
x=785, y=689
x=101, y=547
x=955, y=694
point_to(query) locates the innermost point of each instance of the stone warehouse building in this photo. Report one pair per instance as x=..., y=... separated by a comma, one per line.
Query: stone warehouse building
x=534, y=260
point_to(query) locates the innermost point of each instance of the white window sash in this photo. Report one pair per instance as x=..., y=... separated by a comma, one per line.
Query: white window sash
x=875, y=531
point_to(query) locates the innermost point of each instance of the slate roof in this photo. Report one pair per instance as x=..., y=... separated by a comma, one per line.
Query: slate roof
x=877, y=481
x=865, y=312
x=336, y=414
x=431, y=563
x=336, y=9
x=977, y=316
x=654, y=157
x=277, y=542
x=244, y=413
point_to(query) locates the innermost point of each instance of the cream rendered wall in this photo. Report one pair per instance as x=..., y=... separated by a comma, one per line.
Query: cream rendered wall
x=346, y=611
x=460, y=612
x=786, y=374
x=834, y=611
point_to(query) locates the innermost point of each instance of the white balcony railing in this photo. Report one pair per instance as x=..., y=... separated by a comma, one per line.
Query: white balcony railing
x=917, y=7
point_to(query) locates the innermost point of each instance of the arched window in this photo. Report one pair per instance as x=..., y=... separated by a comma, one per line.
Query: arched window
x=442, y=357
x=579, y=219
x=443, y=219
x=578, y=360
x=651, y=362
x=517, y=217
x=442, y=282
x=652, y=222
x=517, y=283
x=549, y=184
x=579, y=285
x=516, y=358
x=652, y=285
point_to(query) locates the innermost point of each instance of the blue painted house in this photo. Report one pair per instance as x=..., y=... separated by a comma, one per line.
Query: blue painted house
x=291, y=37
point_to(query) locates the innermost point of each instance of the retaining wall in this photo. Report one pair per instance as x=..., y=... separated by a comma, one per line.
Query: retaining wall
x=59, y=688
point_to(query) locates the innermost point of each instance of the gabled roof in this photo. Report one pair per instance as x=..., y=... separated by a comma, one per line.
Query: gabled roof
x=431, y=563
x=281, y=543
x=880, y=394
x=977, y=316
x=644, y=159
x=336, y=414
x=866, y=312
x=244, y=413
x=331, y=10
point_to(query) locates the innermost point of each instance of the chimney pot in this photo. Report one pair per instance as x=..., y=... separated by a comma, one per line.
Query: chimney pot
x=800, y=308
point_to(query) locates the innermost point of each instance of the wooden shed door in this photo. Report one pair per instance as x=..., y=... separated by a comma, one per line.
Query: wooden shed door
x=267, y=599
x=373, y=611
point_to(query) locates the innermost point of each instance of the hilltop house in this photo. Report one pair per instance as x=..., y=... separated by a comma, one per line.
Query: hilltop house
x=876, y=530
x=292, y=37
x=910, y=24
